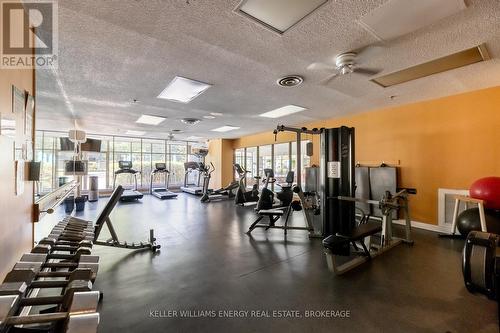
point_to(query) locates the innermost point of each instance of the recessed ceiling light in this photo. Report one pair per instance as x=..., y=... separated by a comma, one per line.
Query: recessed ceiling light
x=278, y=15
x=136, y=133
x=190, y=121
x=209, y=117
x=225, y=128
x=194, y=138
x=183, y=90
x=283, y=111
x=150, y=120
x=217, y=114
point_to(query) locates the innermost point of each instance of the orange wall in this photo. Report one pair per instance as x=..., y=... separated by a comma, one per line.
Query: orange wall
x=442, y=143
x=16, y=233
x=220, y=153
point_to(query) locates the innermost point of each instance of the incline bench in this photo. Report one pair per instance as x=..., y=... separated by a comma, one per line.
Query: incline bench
x=103, y=218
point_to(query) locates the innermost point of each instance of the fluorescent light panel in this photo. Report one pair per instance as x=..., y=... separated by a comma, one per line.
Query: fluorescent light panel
x=283, y=111
x=150, y=120
x=137, y=133
x=278, y=15
x=225, y=129
x=396, y=18
x=194, y=138
x=183, y=90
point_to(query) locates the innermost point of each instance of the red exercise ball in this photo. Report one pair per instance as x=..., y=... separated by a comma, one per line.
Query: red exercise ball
x=487, y=189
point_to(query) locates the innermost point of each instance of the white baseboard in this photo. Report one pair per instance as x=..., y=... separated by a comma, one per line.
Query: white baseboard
x=426, y=226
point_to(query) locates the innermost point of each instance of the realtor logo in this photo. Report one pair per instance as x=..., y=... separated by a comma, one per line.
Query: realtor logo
x=29, y=34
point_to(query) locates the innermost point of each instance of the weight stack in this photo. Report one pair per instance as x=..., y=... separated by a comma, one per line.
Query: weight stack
x=93, y=188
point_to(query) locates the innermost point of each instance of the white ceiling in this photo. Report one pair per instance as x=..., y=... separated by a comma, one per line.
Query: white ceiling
x=113, y=51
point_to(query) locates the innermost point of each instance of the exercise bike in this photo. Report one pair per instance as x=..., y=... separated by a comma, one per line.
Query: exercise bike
x=244, y=197
x=227, y=192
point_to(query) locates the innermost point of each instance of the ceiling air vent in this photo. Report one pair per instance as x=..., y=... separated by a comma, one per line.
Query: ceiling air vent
x=190, y=121
x=290, y=81
x=452, y=61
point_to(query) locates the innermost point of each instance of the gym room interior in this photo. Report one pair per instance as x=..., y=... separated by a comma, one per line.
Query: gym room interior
x=250, y=166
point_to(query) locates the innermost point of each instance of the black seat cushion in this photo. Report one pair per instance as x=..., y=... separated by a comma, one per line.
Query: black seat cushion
x=271, y=212
x=364, y=230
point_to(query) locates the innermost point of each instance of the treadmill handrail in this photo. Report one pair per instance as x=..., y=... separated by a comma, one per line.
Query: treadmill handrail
x=131, y=171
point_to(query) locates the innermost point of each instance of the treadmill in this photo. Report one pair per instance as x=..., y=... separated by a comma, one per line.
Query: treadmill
x=161, y=192
x=128, y=194
x=192, y=188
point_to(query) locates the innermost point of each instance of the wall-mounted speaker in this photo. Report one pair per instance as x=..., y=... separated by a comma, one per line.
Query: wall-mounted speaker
x=309, y=149
x=34, y=171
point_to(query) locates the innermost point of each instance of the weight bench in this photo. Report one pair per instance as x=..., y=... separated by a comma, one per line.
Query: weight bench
x=114, y=241
x=274, y=214
x=340, y=244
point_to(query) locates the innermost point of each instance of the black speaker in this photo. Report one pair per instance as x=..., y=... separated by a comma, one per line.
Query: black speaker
x=34, y=171
x=309, y=149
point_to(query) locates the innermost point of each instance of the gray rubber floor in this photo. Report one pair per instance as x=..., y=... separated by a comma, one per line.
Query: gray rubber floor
x=208, y=264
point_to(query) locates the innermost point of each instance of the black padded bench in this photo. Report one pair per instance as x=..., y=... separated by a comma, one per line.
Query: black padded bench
x=274, y=214
x=340, y=244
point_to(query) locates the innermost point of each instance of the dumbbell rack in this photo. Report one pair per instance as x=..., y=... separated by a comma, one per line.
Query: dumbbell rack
x=65, y=253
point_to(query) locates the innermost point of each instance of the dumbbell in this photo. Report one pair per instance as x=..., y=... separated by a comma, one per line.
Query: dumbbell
x=62, y=302
x=87, y=262
x=64, y=224
x=56, y=242
x=70, y=228
x=79, y=316
x=84, y=247
x=84, y=261
x=29, y=275
x=74, y=254
x=75, y=220
x=72, y=236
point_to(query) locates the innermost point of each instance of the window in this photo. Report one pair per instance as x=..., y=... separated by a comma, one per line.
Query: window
x=177, y=156
x=305, y=160
x=143, y=153
x=177, y=169
x=251, y=165
x=281, y=161
x=239, y=158
x=121, y=145
x=265, y=159
x=97, y=167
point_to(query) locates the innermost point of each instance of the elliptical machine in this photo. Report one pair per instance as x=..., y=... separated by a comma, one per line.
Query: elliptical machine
x=244, y=197
x=285, y=196
x=227, y=192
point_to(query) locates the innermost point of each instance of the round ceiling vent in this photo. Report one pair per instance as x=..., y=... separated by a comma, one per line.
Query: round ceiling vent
x=290, y=81
x=190, y=121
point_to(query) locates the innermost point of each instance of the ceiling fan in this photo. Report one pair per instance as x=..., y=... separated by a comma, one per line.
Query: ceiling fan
x=345, y=63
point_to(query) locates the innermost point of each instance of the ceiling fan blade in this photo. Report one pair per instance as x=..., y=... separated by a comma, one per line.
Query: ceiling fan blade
x=329, y=79
x=320, y=66
x=366, y=53
x=366, y=71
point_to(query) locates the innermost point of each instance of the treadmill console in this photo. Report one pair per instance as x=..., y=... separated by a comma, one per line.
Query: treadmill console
x=160, y=166
x=125, y=165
